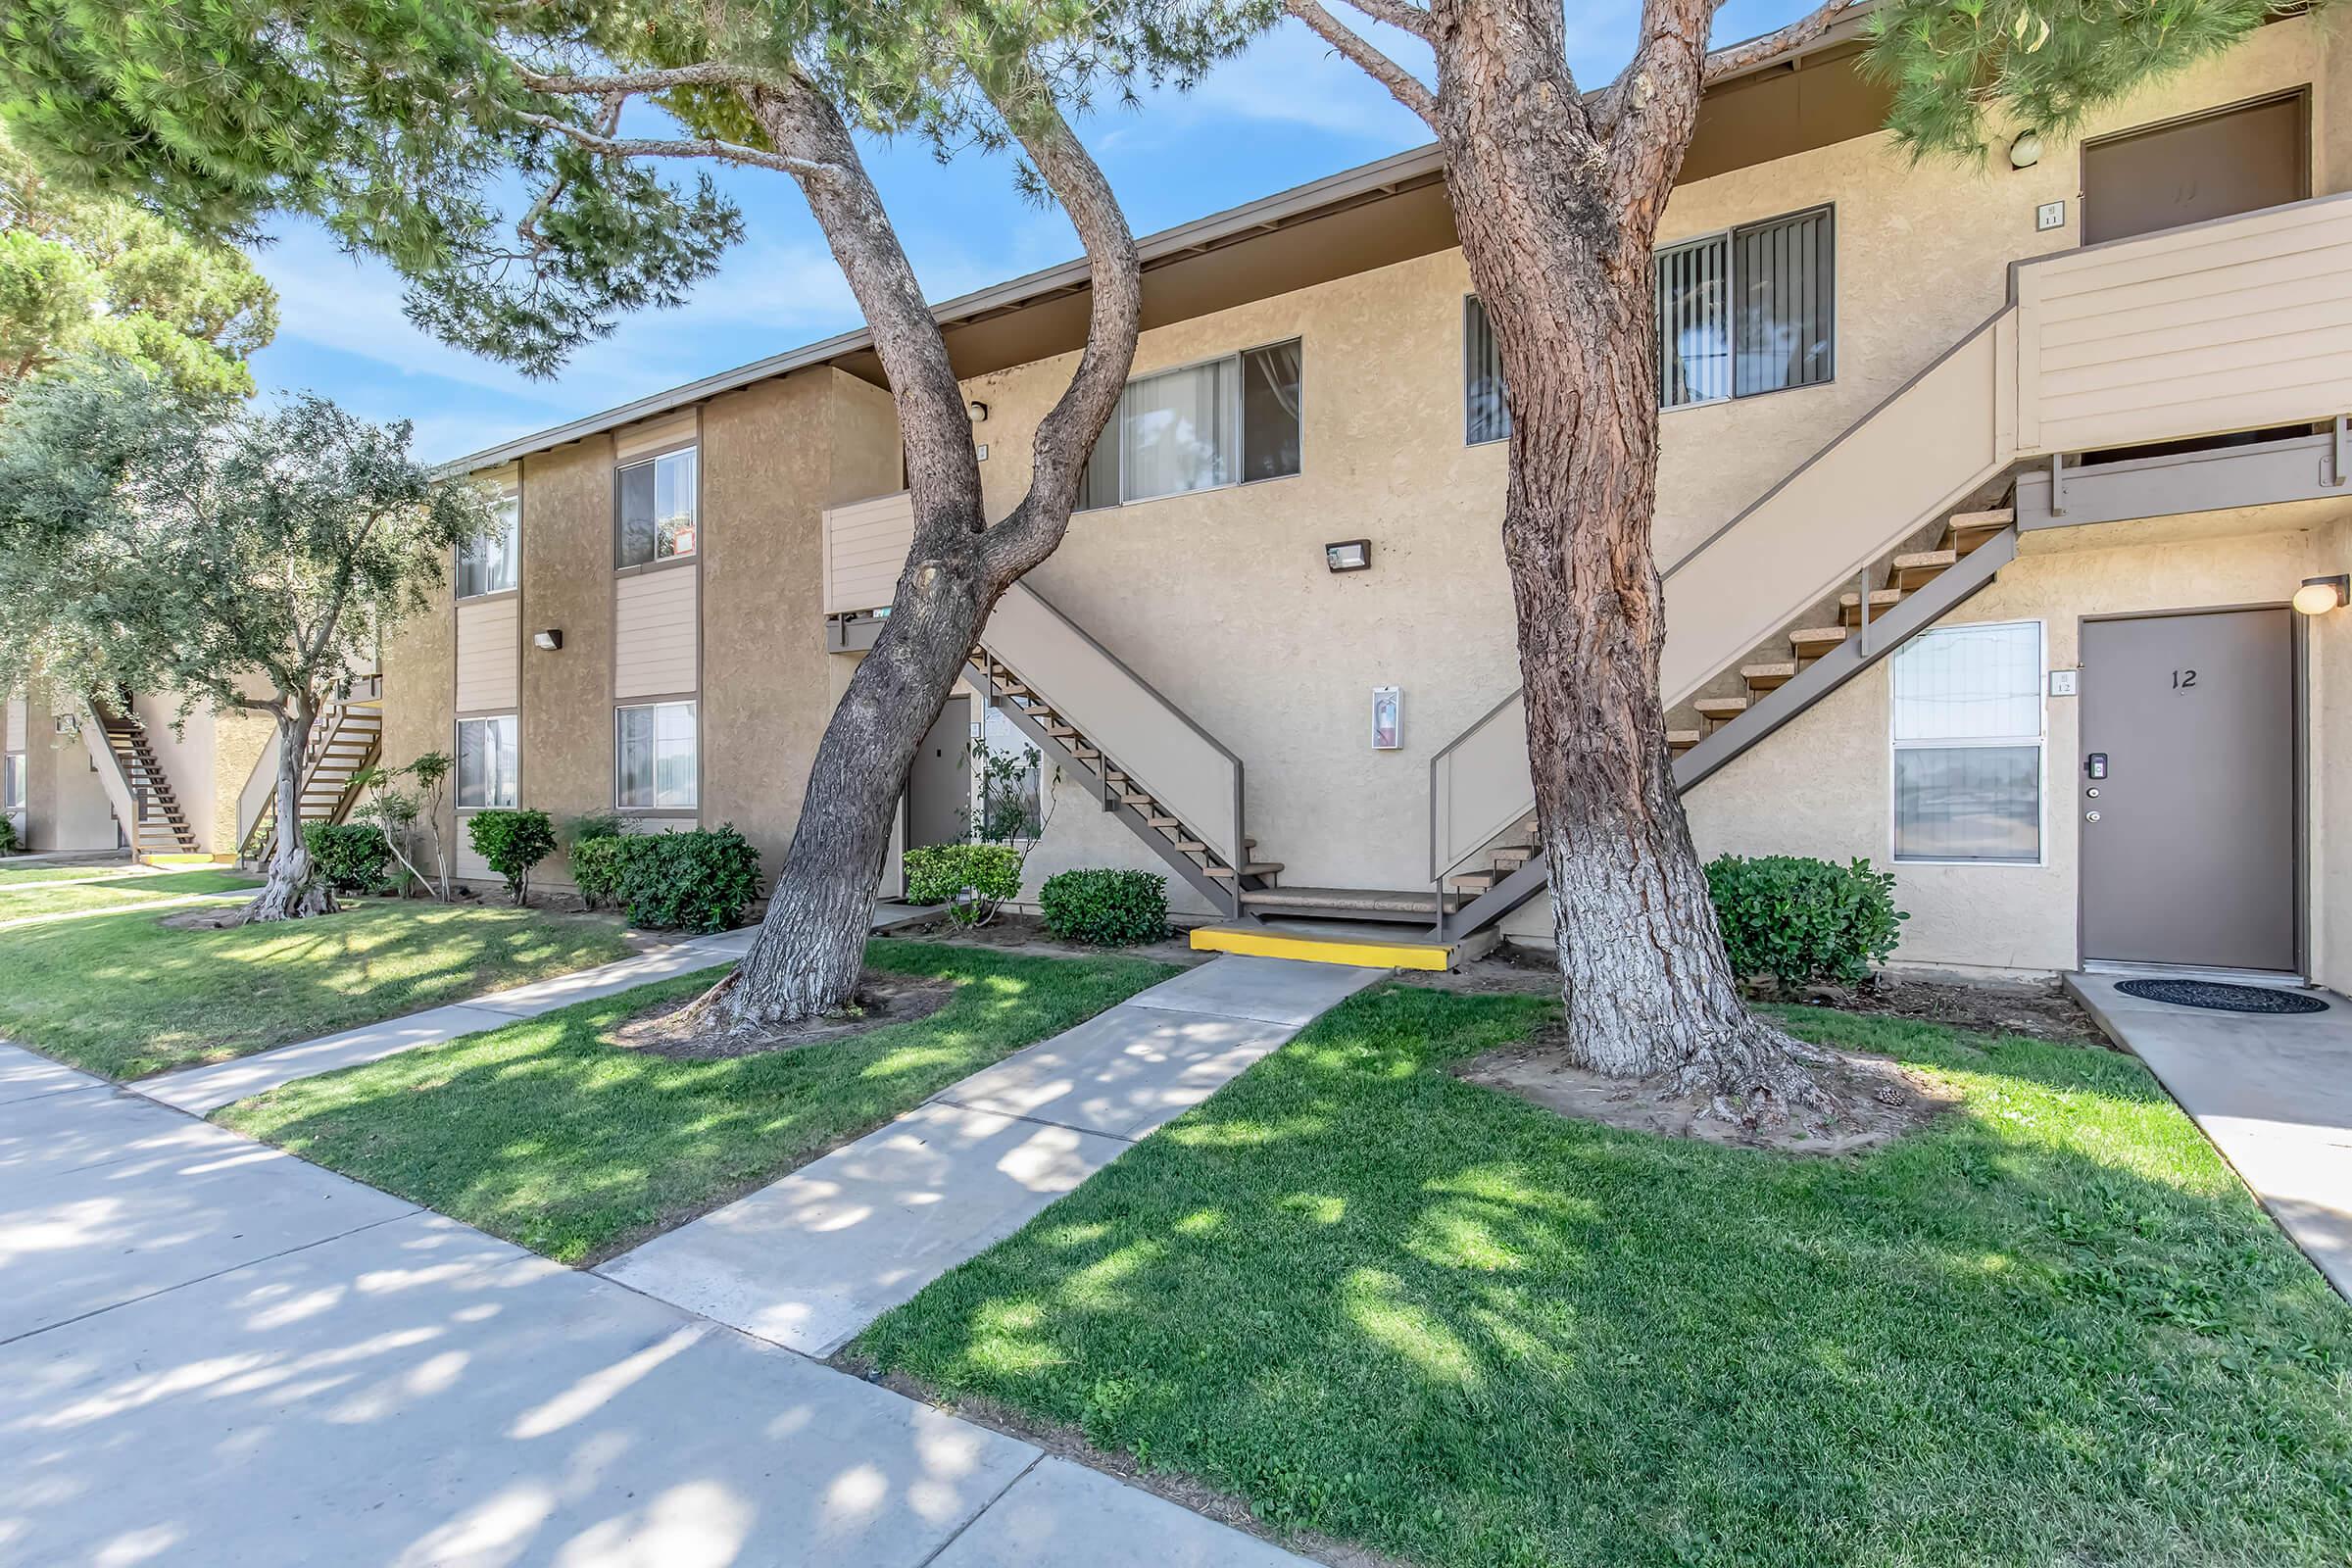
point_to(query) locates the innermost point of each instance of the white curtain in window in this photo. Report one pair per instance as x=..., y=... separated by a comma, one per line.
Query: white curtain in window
x=1695, y=345
x=486, y=566
x=1966, y=722
x=1180, y=431
x=489, y=763
x=1970, y=683
x=1486, y=408
x=657, y=745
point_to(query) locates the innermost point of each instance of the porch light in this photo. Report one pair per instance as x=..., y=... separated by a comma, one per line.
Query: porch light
x=2025, y=150
x=2319, y=595
x=978, y=411
x=1348, y=554
x=551, y=639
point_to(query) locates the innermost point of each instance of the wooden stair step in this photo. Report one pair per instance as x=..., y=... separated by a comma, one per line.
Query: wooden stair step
x=1920, y=567
x=1767, y=677
x=1161, y=823
x=1512, y=853
x=1190, y=846
x=1812, y=642
x=1474, y=881
x=1681, y=740
x=1132, y=798
x=1720, y=708
x=1252, y=868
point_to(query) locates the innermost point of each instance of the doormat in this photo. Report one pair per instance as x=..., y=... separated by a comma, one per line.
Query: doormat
x=2216, y=996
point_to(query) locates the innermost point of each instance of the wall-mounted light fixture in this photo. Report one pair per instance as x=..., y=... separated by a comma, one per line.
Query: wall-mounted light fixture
x=68, y=723
x=551, y=639
x=1348, y=554
x=979, y=411
x=2025, y=150
x=2319, y=595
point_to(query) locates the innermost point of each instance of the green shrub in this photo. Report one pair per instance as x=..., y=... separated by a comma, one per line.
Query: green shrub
x=8, y=834
x=513, y=842
x=695, y=881
x=353, y=856
x=593, y=826
x=1108, y=909
x=1803, y=920
x=971, y=879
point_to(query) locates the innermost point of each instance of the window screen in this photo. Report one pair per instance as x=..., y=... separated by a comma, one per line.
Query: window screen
x=489, y=763
x=1202, y=428
x=1967, y=739
x=1746, y=312
x=656, y=509
x=657, y=749
x=1486, y=411
x=487, y=565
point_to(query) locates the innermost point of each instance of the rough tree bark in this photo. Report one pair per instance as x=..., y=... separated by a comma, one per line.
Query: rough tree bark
x=293, y=891
x=810, y=949
x=1557, y=198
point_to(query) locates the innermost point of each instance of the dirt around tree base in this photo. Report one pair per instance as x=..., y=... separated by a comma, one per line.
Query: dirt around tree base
x=223, y=917
x=882, y=999
x=1886, y=1099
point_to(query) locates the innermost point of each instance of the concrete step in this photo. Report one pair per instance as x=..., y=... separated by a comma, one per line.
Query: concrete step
x=1720, y=710
x=1965, y=530
x=1363, y=903
x=1510, y=857
x=1765, y=678
x=1811, y=642
x=1920, y=567
x=1882, y=600
x=1475, y=881
x=1224, y=873
x=1681, y=740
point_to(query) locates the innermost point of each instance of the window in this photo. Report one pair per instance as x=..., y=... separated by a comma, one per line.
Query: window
x=489, y=764
x=12, y=783
x=1746, y=312
x=656, y=748
x=1966, y=722
x=1485, y=414
x=656, y=508
x=486, y=566
x=1228, y=421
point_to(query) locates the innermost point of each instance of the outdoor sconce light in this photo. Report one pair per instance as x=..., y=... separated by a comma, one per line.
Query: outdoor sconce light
x=551, y=639
x=2319, y=595
x=979, y=410
x=2025, y=150
x=1348, y=554
x=68, y=724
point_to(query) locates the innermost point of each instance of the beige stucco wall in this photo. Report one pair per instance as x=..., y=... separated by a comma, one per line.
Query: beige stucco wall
x=2331, y=760
x=65, y=799
x=419, y=662
x=1824, y=785
x=566, y=727
x=1221, y=599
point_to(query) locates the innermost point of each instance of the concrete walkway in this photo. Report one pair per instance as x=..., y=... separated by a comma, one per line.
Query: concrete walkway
x=811, y=1259
x=213, y=1353
x=2274, y=1094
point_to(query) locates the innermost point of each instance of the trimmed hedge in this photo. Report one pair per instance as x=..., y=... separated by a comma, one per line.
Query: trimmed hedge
x=1108, y=909
x=513, y=842
x=1803, y=921
x=693, y=881
x=353, y=856
x=971, y=879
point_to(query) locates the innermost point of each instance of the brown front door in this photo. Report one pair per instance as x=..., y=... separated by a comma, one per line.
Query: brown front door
x=2188, y=171
x=2186, y=790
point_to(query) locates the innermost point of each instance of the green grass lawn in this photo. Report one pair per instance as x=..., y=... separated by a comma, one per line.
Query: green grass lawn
x=549, y=1135
x=9, y=875
x=18, y=901
x=1375, y=1302
x=125, y=996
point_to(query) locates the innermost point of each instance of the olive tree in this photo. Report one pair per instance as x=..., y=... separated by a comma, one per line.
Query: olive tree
x=245, y=558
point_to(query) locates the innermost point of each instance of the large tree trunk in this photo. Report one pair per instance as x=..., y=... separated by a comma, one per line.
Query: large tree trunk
x=811, y=946
x=1556, y=214
x=294, y=891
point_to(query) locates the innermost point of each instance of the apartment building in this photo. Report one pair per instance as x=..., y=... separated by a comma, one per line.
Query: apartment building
x=127, y=771
x=1998, y=509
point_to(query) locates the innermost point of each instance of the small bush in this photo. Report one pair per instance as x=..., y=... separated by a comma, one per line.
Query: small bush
x=353, y=856
x=971, y=879
x=695, y=881
x=1108, y=909
x=513, y=842
x=8, y=834
x=1803, y=920
x=593, y=826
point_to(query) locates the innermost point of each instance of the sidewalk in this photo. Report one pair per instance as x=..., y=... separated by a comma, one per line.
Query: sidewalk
x=211, y=1352
x=810, y=1261
x=2274, y=1094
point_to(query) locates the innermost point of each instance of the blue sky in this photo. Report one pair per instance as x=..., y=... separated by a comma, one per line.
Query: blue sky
x=1285, y=112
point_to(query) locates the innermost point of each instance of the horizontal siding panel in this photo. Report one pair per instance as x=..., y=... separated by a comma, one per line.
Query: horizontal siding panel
x=2196, y=364
x=2253, y=275
x=652, y=436
x=16, y=724
x=2324, y=285
x=2277, y=404
x=489, y=655
x=865, y=548
x=2155, y=392
x=654, y=633
x=469, y=866
x=2319, y=227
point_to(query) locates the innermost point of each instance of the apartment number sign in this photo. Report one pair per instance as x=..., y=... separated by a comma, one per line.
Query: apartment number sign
x=1388, y=718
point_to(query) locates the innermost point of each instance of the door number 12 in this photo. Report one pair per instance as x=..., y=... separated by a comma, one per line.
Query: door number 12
x=2184, y=679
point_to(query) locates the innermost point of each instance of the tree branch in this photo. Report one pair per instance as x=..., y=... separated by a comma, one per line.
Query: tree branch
x=1066, y=438
x=1401, y=15
x=703, y=74
x=1778, y=42
x=1403, y=84
x=683, y=147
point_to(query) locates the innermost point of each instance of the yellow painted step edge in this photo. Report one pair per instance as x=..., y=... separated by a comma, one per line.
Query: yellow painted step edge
x=1319, y=949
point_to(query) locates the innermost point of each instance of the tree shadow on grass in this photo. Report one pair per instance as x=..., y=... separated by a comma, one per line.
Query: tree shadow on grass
x=1375, y=1302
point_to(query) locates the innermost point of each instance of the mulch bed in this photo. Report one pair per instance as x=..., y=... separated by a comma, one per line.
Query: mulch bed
x=671, y=1030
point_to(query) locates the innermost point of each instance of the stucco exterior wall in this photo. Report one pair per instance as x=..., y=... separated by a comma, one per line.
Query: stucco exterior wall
x=65, y=799
x=1221, y=599
x=419, y=663
x=566, y=727
x=2331, y=762
x=1824, y=785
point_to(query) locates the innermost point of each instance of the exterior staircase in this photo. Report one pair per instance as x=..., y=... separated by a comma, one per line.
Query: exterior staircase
x=158, y=825
x=345, y=739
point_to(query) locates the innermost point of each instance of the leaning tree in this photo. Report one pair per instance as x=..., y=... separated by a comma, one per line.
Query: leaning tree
x=1556, y=194
x=403, y=127
x=243, y=558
